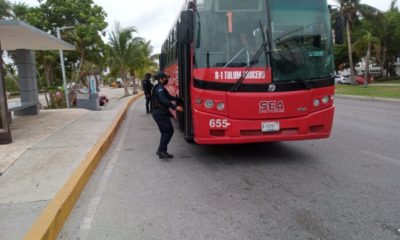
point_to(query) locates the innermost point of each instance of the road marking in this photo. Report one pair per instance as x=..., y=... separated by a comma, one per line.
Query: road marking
x=381, y=157
x=95, y=201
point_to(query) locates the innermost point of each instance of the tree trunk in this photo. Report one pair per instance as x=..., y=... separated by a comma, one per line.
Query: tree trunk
x=47, y=99
x=47, y=73
x=78, y=74
x=134, y=88
x=350, y=50
x=383, y=61
x=126, y=84
x=367, y=65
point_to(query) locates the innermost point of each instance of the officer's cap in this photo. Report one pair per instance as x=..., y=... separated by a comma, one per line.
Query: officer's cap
x=160, y=75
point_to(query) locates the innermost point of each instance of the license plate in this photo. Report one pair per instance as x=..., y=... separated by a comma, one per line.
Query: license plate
x=270, y=126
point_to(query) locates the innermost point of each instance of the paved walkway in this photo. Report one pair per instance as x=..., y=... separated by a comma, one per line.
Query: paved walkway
x=46, y=149
x=27, y=131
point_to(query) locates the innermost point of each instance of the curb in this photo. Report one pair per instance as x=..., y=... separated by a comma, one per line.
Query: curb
x=393, y=100
x=53, y=217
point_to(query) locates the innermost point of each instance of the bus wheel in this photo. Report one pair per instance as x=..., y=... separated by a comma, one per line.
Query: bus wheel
x=189, y=140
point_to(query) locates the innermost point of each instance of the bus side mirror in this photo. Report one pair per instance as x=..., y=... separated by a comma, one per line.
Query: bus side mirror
x=186, y=26
x=339, y=27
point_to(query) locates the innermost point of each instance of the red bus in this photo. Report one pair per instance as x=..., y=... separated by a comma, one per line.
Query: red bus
x=252, y=70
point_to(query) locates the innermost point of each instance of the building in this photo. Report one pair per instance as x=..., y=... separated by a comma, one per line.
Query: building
x=397, y=64
x=374, y=68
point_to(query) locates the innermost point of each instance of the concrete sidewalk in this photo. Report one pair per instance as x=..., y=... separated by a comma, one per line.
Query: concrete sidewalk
x=47, y=151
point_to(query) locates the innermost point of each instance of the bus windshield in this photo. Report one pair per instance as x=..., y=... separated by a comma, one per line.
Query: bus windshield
x=301, y=40
x=228, y=33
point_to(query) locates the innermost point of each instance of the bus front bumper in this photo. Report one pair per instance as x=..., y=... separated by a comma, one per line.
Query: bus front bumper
x=216, y=129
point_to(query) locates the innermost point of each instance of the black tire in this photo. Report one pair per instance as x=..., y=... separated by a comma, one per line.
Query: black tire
x=189, y=140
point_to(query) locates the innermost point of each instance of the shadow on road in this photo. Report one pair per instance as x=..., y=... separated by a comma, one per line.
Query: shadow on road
x=280, y=153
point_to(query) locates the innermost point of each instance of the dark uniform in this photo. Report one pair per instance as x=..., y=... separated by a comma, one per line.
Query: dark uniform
x=161, y=101
x=147, y=87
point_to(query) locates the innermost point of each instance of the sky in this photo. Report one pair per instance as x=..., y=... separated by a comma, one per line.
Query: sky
x=154, y=18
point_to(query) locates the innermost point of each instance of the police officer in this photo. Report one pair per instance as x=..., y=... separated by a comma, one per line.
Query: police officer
x=161, y=101
x=147, y=86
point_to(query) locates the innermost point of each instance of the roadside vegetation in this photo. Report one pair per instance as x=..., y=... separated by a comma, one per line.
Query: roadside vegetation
x=370, y=91
x=84, y=25
x=395, y=80
x=367, y=33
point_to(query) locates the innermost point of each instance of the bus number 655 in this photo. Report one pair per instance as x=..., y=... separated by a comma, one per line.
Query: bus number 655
x=219, y=123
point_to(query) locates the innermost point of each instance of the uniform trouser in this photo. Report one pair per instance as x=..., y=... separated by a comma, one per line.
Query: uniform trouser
x=166, y=129
x=149, y=107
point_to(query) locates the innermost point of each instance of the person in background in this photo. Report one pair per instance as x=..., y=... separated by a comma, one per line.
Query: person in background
x=162, y=104
x=147, y=87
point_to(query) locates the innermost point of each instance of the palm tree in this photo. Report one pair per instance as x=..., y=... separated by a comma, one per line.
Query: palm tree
x=375, y=31
x=47, y=62
x=392, y=34
x=351, y=9
x=5, y=9
x=144, y=60
x=20, y=10
x=365, y=43
x=393, y=6
x=123, y=47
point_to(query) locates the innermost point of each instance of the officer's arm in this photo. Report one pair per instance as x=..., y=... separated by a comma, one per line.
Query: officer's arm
x=178, y=99
x=164, y=99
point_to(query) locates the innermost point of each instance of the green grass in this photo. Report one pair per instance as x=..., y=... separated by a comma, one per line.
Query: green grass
x=370, y=91
x=389, y=81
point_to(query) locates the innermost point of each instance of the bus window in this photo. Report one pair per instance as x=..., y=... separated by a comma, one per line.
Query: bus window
x=225, y=35
x=301, y=40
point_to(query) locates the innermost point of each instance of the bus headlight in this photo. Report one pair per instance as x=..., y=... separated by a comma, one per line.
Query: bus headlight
x=325, y=100
x=220, y=106
x=209, y=103
x=316, y=103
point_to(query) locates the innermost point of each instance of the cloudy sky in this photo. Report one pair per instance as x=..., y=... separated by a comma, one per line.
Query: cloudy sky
x=154, y=18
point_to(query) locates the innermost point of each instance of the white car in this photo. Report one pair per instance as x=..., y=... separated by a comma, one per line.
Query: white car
x=342, y=79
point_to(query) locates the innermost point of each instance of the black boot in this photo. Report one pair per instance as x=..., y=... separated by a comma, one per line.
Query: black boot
x=164, y=155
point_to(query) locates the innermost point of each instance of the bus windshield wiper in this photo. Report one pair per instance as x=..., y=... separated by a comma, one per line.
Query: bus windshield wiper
x=263, y=49
x=304, y=83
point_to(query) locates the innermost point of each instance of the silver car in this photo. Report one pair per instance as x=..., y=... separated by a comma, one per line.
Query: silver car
x=342, y=79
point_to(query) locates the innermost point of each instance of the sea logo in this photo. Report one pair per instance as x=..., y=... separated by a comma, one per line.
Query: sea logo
x=274, y=106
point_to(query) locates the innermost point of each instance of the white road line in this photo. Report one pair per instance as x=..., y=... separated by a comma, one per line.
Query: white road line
x=381, y=157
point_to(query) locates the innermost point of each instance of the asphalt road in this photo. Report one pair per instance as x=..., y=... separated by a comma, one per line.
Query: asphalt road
x=345, y=187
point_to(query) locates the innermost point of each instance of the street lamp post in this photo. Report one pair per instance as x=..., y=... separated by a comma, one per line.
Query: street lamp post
x=63, y=67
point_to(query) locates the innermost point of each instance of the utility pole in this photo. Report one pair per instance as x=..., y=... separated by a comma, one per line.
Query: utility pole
x=66, y=90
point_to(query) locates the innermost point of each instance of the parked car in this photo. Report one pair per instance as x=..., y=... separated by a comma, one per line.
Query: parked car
x=361, y=79
x=342, y=79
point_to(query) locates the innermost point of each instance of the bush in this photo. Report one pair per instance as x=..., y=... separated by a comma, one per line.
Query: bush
x=11, y=86
x=56, y=97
